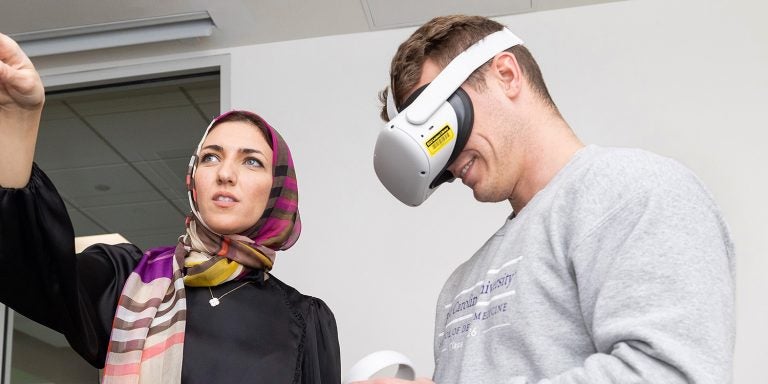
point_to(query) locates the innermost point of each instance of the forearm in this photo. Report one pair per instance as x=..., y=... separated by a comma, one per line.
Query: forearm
x=18, y=134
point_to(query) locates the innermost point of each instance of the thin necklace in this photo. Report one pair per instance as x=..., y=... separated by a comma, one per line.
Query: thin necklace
x=214, y=301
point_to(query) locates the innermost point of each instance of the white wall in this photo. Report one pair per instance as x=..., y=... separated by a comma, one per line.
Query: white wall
x=684, y=78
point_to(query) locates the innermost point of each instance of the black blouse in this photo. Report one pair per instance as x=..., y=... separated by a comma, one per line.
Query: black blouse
x=265, y=332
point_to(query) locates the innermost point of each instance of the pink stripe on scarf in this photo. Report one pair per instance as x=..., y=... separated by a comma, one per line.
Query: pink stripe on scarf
x=290, y=183
x=272, y=228
x=285, y=204
x=122, y=370
x=157, y=349
x=135, y=368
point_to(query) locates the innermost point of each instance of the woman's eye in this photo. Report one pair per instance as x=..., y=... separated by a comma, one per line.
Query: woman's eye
x=208, y=157
x=253, y=162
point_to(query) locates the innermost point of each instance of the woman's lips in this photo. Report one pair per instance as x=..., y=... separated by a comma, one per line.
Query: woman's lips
x=224, y=200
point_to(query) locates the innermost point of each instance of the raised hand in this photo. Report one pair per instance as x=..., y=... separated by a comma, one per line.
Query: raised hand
x=21, y=104
x=20, y=85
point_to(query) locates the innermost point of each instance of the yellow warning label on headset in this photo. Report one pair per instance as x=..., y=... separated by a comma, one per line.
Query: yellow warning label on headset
x=439, y=140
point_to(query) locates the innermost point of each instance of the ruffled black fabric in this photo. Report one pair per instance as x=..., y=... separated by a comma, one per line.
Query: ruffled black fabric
x=265, y=332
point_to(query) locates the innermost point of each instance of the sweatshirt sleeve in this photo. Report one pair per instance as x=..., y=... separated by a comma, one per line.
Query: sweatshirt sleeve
x=656, y=288
x=43, y=279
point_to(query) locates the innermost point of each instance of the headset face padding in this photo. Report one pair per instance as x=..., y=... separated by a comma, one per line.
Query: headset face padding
x=465, y=117
x=462, y=107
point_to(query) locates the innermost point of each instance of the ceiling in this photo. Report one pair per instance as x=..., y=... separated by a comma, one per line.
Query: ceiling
x=247, y=22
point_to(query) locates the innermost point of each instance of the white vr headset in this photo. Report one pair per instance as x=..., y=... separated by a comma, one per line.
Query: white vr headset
x=423, y=136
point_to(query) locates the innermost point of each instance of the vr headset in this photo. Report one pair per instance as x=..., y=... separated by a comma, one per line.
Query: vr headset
x=425, y=135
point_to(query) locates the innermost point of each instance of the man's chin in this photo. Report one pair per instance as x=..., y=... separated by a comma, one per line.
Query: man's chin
x=485, y=196
x=480, y=196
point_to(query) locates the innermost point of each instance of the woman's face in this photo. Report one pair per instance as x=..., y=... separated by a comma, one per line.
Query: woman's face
x=233, y=177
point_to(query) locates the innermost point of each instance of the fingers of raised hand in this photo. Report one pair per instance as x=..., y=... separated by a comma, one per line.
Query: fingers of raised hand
x=20, y=83
x=10, y=52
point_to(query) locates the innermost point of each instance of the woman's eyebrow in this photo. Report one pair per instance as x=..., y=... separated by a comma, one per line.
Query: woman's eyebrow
x=248, y=151
x=245, y=151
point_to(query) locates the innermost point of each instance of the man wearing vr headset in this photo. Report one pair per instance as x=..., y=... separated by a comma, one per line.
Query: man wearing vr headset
x=615, y=266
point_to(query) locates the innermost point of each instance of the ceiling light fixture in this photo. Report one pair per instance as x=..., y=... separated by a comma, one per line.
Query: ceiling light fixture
x=115, y=34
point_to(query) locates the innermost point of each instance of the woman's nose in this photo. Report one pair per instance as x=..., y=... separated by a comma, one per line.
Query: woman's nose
x=227, y=174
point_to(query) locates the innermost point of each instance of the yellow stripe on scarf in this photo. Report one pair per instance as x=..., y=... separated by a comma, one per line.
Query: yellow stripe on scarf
x=221, y=271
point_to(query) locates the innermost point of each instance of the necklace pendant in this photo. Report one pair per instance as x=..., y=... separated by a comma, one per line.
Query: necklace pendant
x=213, y=301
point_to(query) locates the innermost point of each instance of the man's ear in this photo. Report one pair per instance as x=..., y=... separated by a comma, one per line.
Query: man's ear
x=506, y=70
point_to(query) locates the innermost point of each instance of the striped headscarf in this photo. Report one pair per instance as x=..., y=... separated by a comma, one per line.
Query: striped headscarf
x=147, y=339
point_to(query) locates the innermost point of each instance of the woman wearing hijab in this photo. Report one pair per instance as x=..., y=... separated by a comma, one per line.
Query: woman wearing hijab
x=203, y=311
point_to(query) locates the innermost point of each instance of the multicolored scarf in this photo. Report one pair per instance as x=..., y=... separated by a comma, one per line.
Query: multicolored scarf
x=147, y=339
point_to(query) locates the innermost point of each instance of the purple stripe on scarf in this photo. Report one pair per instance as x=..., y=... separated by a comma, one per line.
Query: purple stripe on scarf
x=290, y=183
x=285, y=204
x=272, y=228
x=156, y=263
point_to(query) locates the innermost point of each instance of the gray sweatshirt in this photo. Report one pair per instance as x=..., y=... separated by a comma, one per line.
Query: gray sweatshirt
x=621, y=270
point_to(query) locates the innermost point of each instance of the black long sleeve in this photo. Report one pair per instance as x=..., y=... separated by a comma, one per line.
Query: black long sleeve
x=322, y=362
x=43, y=279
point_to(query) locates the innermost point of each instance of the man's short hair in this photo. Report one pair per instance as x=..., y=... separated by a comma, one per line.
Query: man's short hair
x=442, y=39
